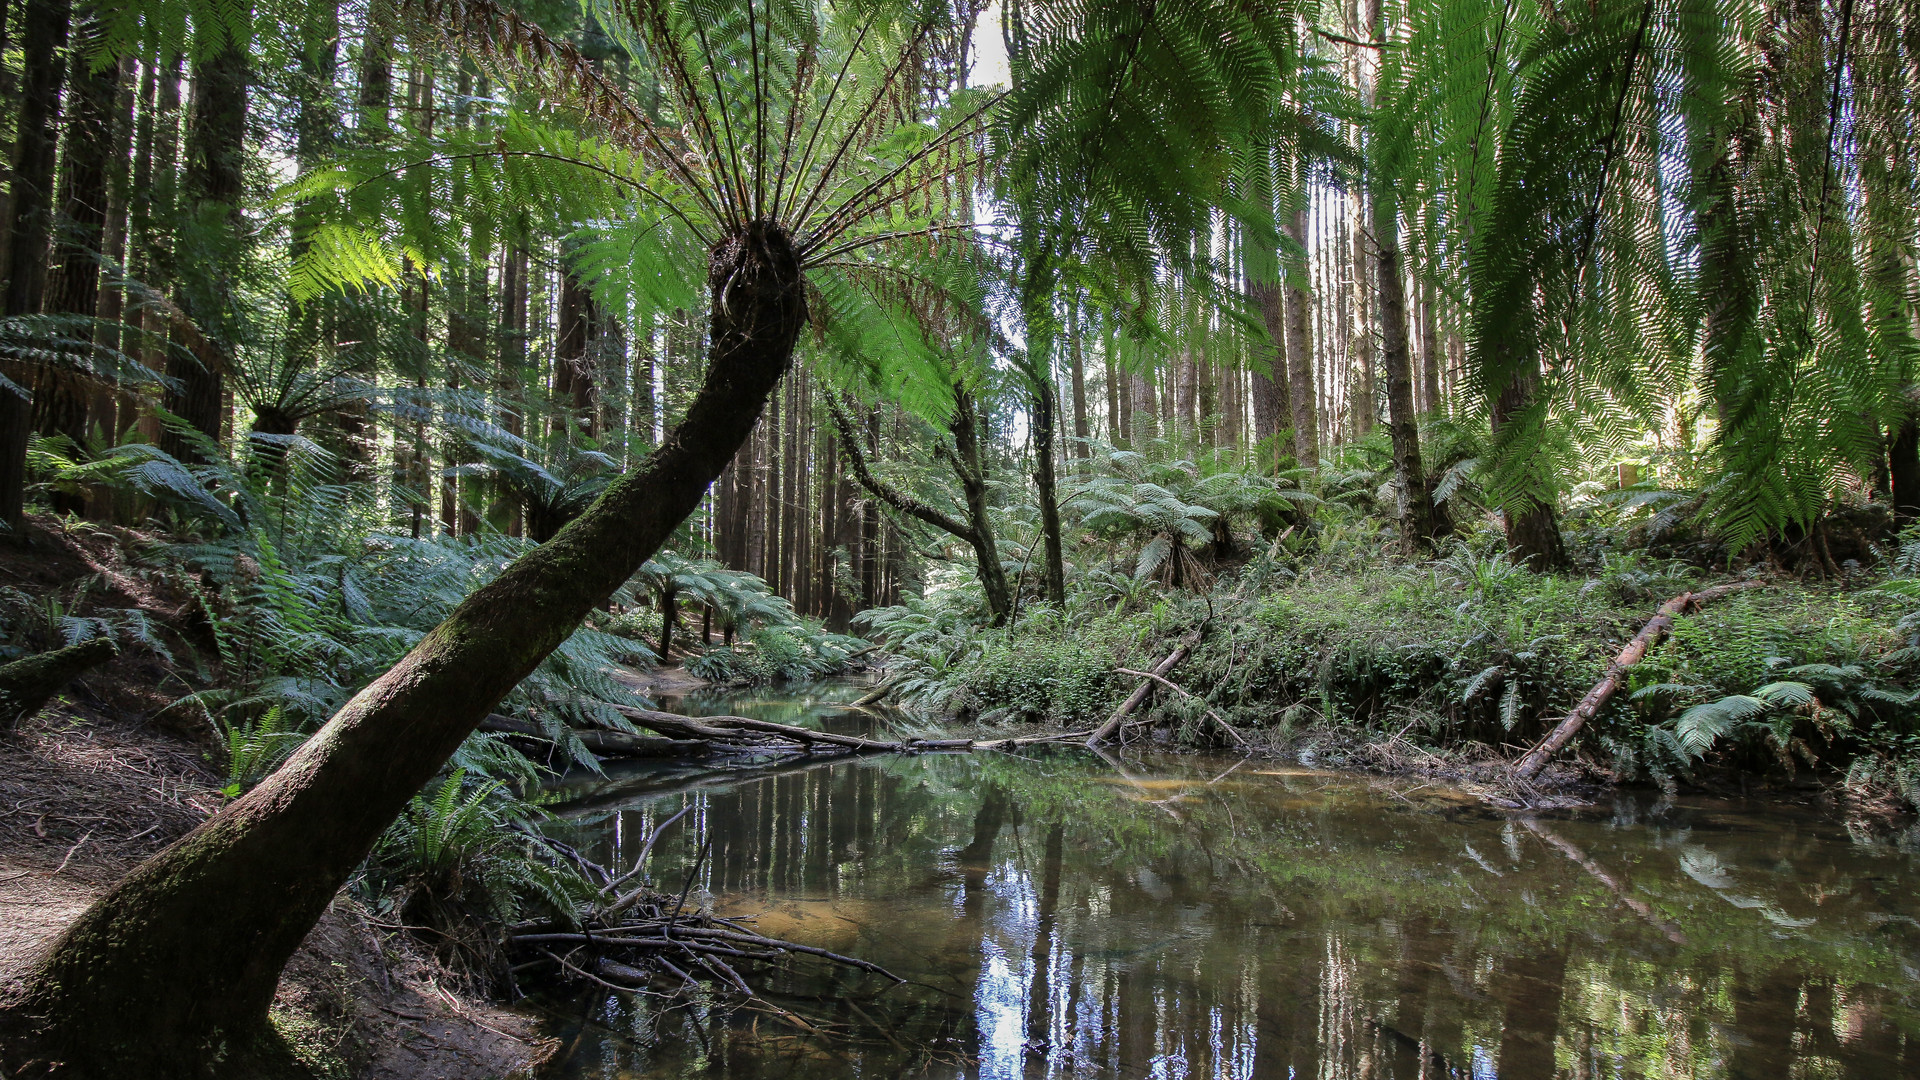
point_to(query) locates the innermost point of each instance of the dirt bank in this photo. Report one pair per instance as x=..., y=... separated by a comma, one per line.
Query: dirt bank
x=103, y=778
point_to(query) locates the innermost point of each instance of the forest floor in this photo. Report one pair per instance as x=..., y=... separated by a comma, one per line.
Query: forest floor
x=97, y=782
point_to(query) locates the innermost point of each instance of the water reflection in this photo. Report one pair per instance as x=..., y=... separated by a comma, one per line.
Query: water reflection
x=1058, y=917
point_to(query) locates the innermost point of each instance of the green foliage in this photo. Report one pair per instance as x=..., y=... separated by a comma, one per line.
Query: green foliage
x=788, y=652
x=255, y=749
x=465, y=850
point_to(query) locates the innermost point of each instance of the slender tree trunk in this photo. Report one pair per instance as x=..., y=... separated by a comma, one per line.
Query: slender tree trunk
x=1116, y=399
x=1301, y=395
x=113, y=408
x=1082, y=431
x=1044, y=409
x=180, y=958
x=669, y=614
x=574, y=388
x=1420, y=521
x=976, y=531
x=1430, y=349
x=973, y=483
x=153, y=216
x=30, y=209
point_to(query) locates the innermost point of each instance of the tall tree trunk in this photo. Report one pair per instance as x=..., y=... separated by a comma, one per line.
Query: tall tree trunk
x=1044, y=422
x=213, y=186
x=1082, y=431
x=314, y=124
x=1430, y=348
x=1118, y=408
x=30, y=212
x=376, y=74
x=61, y=397
x=973, y=483
x=1301, y=392
x=1420, y=521
x=179, y=960
x=1272, y=409
x=113, y=409
x=155, y=175
x=573, y=364
x=1533, y=524
x=514, y=259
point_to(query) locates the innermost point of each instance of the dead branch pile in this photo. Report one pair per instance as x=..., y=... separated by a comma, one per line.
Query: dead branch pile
x=634, y=938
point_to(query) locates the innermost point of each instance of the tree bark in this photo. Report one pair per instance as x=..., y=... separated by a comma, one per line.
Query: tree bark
x=1272, y=411
x=181, y=958
x=1533, y=524
x=1082, y=430
x=30, y=210
x=669, y=614
x=1044, y=422
x=1301, y=393
x=1140, y=692
x=214, y=181
x=1421, y=522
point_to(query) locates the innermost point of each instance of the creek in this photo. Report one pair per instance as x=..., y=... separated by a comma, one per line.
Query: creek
x=1061, y=914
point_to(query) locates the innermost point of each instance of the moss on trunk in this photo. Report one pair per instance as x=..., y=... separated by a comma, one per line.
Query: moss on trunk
x=175, y=967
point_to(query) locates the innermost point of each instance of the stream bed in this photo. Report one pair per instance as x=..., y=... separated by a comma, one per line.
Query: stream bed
x=1063, y=915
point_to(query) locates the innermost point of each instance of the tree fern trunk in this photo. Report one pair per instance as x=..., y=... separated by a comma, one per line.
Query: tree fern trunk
x=178, y=962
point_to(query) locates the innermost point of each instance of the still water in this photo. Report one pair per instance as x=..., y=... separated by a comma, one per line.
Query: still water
x=1061, y=915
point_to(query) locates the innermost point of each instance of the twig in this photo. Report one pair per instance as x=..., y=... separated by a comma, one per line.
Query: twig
x=70, y=851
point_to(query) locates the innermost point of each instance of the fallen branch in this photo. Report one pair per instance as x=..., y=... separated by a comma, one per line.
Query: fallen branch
x=874, y=696
x=625, y=953
x=1140, y=692
x=1176, y=687
x=1650, y=635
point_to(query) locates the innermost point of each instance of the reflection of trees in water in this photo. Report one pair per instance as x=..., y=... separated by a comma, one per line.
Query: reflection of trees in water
x=1062, y=926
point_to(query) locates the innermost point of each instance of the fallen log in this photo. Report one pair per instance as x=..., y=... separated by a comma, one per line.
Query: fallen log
x=611, y=743
x=28, y=683
x=1140, y=692
x=875, y=696
x=736, y=727
x=1650, y=635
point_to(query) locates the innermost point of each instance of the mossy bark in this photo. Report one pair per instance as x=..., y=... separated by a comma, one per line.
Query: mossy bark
x=175, y=966
x=27, y=684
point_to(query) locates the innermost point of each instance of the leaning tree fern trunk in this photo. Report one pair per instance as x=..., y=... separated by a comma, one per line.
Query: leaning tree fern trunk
x=774, y=192
x=181, y=958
